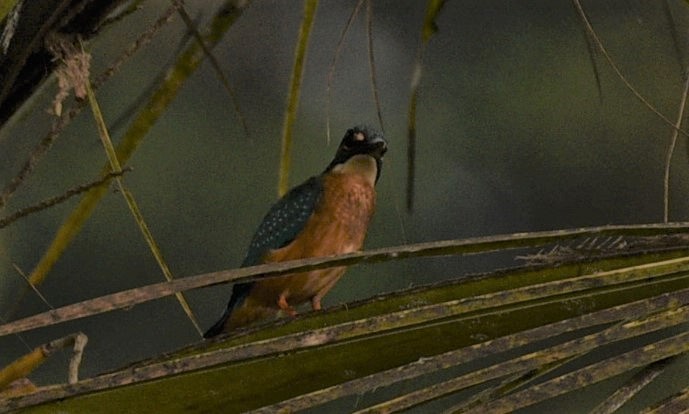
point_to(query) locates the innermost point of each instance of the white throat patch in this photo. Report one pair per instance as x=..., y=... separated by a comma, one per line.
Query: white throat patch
x=360, y=164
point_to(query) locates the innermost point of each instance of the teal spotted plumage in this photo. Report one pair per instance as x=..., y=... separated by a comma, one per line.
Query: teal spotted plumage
x=327, y=214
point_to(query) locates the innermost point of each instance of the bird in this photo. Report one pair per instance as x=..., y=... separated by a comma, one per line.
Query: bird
x=328, y=214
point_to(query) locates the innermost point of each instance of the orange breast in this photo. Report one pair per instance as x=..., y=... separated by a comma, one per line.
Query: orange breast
x=338, y=226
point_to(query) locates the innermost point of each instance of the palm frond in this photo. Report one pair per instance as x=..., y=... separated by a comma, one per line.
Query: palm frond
x=497, y=341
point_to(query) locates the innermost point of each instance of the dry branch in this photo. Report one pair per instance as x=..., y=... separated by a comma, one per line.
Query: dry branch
x=7, y=220
x=453, y=358
x=338, y=333
x=632, y=387
x=568, y=382
x=23, y=366
x=676, y=404
x=670, y=347
x=599, y=44
x=477, y=245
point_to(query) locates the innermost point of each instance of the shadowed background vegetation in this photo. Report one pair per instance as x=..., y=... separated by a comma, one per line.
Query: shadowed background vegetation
x=512, y=135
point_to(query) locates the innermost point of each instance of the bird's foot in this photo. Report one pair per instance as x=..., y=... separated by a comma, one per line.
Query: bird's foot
x=285, y=307
x=316, y=303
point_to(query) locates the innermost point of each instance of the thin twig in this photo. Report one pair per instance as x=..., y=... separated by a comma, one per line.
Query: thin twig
x=511, y=383
x=337, y=333
x=132, y=204
x=79, y=344
x=63, y=121
x=213, y=61
x=131, y=8
x=591, y=374
x=632, y=387
x=7, y=220
x=672, y=26
x=453, y=358
x=331, y=68
x=590, y=47
x=411, y=129
x=137, y=102
x=618, y=72
x=671, y=150
x=143, y=39
x=678, y=403
x=21, y=367
x=159, y=101
x=32, y=287
x=372, y=63
x=38, y=293
x=296, y=78
x=471, y=246
x=429, y=27
x=36, y=154
x=18, y=336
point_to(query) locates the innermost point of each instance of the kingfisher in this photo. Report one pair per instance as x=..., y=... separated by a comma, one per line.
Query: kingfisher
x=328, y=214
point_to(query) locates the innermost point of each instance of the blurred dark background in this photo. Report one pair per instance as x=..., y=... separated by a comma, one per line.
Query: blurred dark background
x=513, y=136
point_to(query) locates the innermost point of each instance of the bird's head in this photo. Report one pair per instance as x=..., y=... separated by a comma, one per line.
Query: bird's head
x=361, y=151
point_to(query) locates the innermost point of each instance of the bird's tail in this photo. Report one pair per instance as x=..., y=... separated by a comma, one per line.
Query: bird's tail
x=219, y=326
x=240, y=314
x=240, y=291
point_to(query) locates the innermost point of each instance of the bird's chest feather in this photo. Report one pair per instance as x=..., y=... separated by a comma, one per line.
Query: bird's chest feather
x=337, y=226
x=339, y=222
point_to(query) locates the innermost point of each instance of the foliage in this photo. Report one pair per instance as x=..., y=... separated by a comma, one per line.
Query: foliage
x=598, y=304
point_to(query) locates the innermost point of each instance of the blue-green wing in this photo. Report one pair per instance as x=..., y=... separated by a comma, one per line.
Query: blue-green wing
x=283, y=222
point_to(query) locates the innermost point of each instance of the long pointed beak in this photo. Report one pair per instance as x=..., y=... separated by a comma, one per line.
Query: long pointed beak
x=379, y=146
